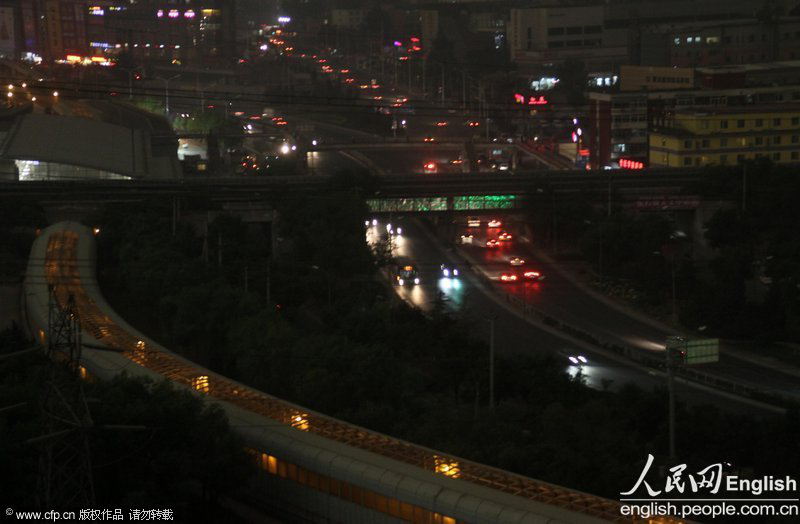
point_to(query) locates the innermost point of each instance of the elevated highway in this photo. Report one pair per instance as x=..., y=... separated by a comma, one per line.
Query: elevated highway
x=322, y=468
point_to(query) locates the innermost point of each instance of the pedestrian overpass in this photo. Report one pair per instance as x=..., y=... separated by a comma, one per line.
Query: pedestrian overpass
x=452, y=203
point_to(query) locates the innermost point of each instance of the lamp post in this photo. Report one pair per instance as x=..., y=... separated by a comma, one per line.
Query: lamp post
x=166, y=90
x=327, y=280
x=130, y=71
x=491, y=320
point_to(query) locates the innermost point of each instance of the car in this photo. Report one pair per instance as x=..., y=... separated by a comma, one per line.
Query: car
x=473, y=123
x=441, y=124
x=492, y=242
x=517, y=261
x=467, y=239
x=532, y=275
x=578, y=360
x=430, y=167
x=495, y=223
x=508, y=277
x=504, y=236
x=429, y=139
x=449, y=271
x=473, y=222
x=407, y=275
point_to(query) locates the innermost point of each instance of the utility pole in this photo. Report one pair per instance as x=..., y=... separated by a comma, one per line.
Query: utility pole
x=744, y=187
x=555, y=224
x=491, y=362
x=463, y=90
x=675, y=352
x=269, y=281
x=166, y=90
x=674, y=299
x=65, y=468
x=671, y=390
x=443, y=84
x=424, y=67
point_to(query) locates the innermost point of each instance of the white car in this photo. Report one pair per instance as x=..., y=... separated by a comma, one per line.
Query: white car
x=467, y=239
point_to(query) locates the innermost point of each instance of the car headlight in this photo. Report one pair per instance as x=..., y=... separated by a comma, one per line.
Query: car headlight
x=400, y=281
x=446, y=272
x=416, y=281
x=455, y=272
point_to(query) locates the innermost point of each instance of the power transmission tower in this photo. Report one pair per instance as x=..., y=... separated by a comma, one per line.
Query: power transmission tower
x=65, y=470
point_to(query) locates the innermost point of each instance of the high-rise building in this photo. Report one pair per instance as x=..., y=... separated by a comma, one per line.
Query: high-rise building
x=192, y=32
x=51, y=29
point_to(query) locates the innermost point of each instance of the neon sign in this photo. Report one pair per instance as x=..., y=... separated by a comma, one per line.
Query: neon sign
x=532, y=101
x=626, y=163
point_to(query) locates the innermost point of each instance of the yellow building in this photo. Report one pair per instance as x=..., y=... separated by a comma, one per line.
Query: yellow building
x=727, y=136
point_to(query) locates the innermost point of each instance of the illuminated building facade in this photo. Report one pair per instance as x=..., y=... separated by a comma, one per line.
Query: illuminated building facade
x=52, y=29
x=190, y=32
x=691, y=138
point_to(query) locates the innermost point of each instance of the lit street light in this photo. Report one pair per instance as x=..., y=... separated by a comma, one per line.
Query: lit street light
x=166, y=90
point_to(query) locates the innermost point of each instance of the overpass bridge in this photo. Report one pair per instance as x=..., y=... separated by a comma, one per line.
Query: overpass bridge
x=423, y=193
x=318, y=467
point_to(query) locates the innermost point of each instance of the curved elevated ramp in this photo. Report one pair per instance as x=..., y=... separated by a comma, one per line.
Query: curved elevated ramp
x=333, y=470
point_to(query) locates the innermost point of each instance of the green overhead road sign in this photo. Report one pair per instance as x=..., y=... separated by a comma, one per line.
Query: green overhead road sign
x=702, y=351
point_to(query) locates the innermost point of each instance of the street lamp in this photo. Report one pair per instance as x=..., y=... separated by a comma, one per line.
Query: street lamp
x=327, y=280
x=491, y=320
x=166, y=90
x=130, y=72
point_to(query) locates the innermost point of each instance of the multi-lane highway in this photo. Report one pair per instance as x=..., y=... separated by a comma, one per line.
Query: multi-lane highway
x=560, y=298
x=515, y=332
x=479, y=292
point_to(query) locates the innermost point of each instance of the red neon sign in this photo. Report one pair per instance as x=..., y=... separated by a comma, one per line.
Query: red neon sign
x=626, y=163
x=532, y=101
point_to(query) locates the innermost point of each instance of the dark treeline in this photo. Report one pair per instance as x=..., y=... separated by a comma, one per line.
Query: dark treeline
x=333, y=338
x=753, y=234
x=150, y=445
